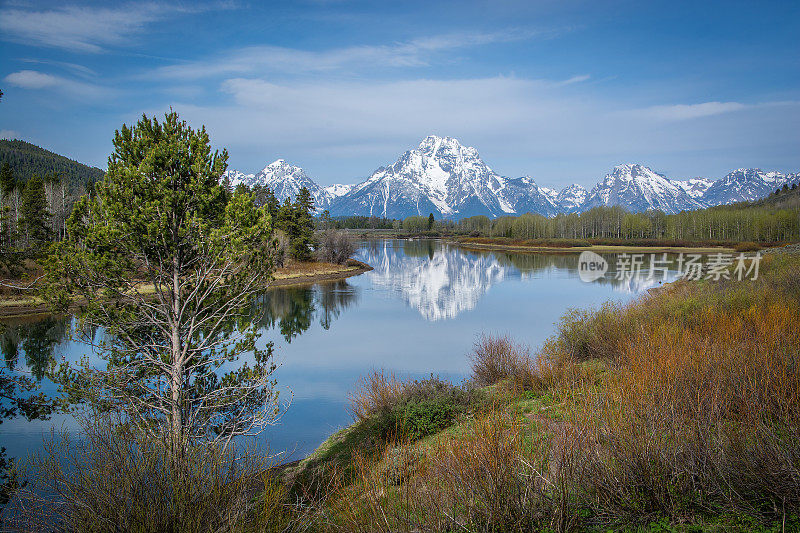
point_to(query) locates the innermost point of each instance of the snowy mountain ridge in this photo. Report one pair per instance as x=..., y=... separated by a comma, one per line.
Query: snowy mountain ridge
x=450, y=180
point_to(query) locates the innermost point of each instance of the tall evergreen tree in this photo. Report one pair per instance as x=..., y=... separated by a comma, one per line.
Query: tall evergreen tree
x=303, y=239
x=161, y=216
x=7, y=186
x=34, y=221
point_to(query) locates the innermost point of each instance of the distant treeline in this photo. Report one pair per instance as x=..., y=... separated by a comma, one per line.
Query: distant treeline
x=746, y=224
x=771, y=219
x=29, y=160
x=360, y=222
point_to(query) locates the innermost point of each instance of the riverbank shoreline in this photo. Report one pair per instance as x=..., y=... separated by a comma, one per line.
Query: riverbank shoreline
x=309, y=273
x=597, y=248
x=528, y=423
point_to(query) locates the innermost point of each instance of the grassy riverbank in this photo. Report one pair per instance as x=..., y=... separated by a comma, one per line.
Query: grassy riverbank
x=20, y=303
x=678, y=412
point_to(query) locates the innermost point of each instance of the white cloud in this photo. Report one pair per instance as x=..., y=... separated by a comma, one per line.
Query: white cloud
x=35, y=80
x=575, y=79
x=258, y=60
x=74, y=68
x=333, y=127
x=31, y=79
x=9, y=134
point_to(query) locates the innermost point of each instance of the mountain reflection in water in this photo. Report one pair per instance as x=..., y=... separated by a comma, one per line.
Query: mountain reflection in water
x=441, y=280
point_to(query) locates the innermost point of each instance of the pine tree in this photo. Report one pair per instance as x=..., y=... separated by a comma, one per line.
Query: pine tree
x=7, y=186
x=430, y=221
x=303, y=238
x=34, y=222
x=161, y=216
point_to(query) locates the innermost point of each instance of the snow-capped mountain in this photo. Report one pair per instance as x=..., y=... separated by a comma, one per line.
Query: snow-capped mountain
x=694, y=187
x=235, y=177
x=571, y=198
x=445, y=178
x=285, y=180
x=449, y=180
x=744, y=185
x=638, y=188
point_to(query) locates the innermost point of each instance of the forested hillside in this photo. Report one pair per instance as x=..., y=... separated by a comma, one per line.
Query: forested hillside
x=27, y=160
x=784, y=198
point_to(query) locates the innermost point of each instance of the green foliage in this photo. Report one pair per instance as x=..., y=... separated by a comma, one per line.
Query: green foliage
x=28, y=160
x=33, y=222
x=415, y=224
x=424, y=408
x=264, y=197
x=161, y=217
x=362, y=222
x=296, y=219
x=770, y=220
x=7, y=180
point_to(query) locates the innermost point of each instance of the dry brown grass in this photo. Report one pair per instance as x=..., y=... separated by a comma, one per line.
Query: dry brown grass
x=701, y=417
x=376, y=392
x=490, y=479
x=698, y=410
x=684, y=405
x=497, y=358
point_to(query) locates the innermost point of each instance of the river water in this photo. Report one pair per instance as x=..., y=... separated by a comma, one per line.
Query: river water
x=417, y=313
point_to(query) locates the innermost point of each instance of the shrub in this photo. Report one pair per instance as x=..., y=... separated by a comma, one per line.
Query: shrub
x=335, y=247
x=425, y=407
x=409, y=410
x=701, y=406
x=746, y=247
x=497, y=358
x=375, y=393
x=116, y=479
x=488, y=480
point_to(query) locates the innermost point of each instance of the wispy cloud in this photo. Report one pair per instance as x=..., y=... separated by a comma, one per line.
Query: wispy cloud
x=690, y=111
x=510, y=119
x=74, y=68
x=35, y=80
x=9, y=134
x=83, y=29
x=260, y=60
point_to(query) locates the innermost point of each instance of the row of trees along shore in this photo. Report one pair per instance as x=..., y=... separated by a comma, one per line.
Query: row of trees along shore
x=729, y=223
x=34, y=211
x=761, y=221
x=775, y=218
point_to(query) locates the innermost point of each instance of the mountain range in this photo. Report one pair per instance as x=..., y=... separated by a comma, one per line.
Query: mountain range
x=451, y=181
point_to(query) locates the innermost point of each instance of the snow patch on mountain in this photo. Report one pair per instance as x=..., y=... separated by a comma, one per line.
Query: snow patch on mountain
x=571, y=198
x=443, y=177
x=694, y=187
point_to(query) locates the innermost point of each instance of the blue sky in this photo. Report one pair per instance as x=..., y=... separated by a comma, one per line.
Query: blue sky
x=560, y=90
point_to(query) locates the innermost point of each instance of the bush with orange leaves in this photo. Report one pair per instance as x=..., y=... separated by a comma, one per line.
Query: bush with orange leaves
x=699, y=410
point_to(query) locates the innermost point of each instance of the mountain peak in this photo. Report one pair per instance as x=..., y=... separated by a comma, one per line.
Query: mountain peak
x=433, y=146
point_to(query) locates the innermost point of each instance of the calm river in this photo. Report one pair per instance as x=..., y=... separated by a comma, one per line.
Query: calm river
x=418, y=312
